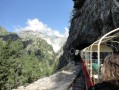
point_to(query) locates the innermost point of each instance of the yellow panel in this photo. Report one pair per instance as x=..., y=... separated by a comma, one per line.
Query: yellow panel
x=103, y=48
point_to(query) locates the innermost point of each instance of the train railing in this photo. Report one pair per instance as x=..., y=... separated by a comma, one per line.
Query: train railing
x=108, y=37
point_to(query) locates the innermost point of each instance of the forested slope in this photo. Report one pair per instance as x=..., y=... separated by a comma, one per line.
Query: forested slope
x=23, y=61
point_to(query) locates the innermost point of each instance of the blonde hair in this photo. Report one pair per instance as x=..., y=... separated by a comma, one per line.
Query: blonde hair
x=111, y=68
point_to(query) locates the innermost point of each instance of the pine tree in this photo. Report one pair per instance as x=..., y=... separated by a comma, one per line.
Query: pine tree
x=4, y=64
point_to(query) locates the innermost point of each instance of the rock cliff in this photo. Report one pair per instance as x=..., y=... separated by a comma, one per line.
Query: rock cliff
x=91, y=19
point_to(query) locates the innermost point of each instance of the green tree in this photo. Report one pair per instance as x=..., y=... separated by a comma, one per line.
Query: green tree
x=4, y=64
x=20, y=65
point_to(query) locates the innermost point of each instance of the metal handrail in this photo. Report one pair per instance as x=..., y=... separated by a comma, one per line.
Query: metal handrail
x=99, y=47
x=104, y=39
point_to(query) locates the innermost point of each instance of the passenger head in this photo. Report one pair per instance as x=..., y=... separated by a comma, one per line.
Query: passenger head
x=110, y=68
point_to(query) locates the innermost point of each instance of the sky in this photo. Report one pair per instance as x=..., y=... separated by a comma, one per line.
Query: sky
x=36, y=15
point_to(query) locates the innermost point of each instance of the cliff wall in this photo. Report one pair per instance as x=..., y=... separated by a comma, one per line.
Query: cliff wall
x=91, y=19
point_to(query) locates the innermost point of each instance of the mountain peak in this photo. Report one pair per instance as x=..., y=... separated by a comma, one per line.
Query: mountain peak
x=55, y=41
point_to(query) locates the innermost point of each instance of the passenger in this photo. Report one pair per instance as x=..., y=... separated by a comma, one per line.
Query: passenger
x=110, y=74
x=94, y=57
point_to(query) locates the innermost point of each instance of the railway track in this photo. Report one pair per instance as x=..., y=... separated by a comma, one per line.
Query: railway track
x=78, y=83
x=82, y=81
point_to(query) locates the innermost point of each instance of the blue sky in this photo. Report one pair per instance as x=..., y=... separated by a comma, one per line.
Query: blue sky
x=54, y=14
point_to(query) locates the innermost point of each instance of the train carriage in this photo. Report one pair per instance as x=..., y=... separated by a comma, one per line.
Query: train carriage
x=94, y=55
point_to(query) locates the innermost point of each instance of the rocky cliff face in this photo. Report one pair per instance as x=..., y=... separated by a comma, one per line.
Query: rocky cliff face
x=91, y=20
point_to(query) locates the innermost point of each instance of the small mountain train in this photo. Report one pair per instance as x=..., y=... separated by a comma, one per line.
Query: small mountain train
x=94, y=55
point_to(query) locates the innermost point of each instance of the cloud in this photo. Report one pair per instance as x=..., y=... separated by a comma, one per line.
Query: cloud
x=66, y=32
x=36, y=25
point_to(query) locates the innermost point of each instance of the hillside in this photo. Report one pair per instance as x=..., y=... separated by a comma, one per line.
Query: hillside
x=55, y=41
x=2, y=30
x=24, y=60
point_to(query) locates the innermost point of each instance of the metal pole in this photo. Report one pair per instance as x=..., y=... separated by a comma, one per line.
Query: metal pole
x=91, y=61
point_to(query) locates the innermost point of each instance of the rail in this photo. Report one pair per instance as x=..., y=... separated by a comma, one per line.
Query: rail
x=108, y=37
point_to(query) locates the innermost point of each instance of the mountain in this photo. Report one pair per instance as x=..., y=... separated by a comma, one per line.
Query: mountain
x=56, y=42
x=24, y=59
x=2, y=30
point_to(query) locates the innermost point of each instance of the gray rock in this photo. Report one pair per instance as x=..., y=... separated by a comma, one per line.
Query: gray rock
x=90, y=21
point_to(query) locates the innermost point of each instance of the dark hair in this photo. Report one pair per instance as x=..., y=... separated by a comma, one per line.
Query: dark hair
x=111, y=68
